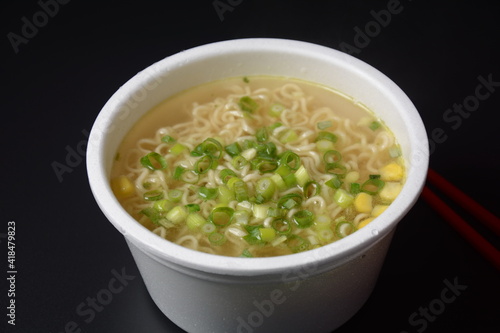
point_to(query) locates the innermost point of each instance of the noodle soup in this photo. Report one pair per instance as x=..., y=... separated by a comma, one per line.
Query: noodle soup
x=257, y=167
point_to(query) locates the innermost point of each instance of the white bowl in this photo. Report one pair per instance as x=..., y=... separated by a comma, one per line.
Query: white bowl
x=312, y=291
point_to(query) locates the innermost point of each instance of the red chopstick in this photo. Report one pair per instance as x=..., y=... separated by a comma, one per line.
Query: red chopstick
x=485, y=248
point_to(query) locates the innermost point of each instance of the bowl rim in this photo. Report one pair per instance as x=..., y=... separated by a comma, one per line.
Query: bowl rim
x=332, y=254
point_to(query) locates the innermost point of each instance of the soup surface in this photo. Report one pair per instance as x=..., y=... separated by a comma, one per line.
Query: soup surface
x=257, y=166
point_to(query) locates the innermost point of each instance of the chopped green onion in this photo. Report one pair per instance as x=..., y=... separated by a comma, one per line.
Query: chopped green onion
x=343, y=198
x=324, y=124
x=278, y=180
x=355, y=188
x=267, y=234
x=175, y=195
x=322, y=222
x=153, y=214
x=344, y=228
x=177, y=215
x=259, y=211
x=311, y=188
x=323, y=135
x=179, y=170
x=153, y=195
x=276, y=109
x=246, y=254
x=282, y=226
x=290, y=159
x=153, y=161
x=147, y=185
x=297, y=243
x=262, y=135
x=253, y=236
x=325, y=235
x=335, y=182
x=225, y=195
x=195, y=221
x=221, y=216
x=394, y=151
x=274, y=126
x=233, y=149
x=332, y=156
x=275, y=212
x=207, y=193
x=302, y=176
x=177, y=149
x=216, y=238
x=336, y=168
x=374, y=176
x=324, y=145
x=247, y=104
x=193, y=208
x=226, y=174
x=264, y=165
x=163, y=205
x=303, y=218
x=266, y=150
x=239, y=162
x=372, y=186
x=168, y=139
x=240, y=190
x=290, y=201
x=374, y=125
x=212, y=147
x=245, y=79
x=241, y=217
x=288, y=136
x=290, y=180
x=203, y=164
x=266, y=188
x=208, y=228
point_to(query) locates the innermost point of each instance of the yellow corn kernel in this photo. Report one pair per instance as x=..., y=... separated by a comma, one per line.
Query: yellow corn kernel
x=363, y=202
x=378, y=209
x=122, y=187
x=391, y=172
x=390, y=191
x=365, y=222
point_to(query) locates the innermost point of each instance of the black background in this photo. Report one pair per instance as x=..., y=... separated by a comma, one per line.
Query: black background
x=64, y=72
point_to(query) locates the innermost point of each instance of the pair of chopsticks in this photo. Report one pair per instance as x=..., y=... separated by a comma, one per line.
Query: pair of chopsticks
x=486, y=249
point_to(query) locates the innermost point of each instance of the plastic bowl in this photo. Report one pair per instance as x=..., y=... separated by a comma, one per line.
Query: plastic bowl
x=313, y=291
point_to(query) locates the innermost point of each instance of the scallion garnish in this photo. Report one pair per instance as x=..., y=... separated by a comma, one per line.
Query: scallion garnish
x=212, y=147
x=372, y=186
x=168, y=139
x=221, y=216
x=290, y=159
x=262, y=135
x=355, y=188
x=374, y=125
x=179, y=170
x=247, y=104
x=324, y=124
x=175, y=195
x=203, y=164
x=226, y=174
x=332, y=156
x=153, y=195
x=266, y=188
x=153, y=161
x=297, y=243
x=311, y=188
x=233, y=149
x=335, y=182
x=276, y=109
x=217, y=238
x=344, y=228
x=239, y=162
x=206, y=193
x=336, y=168
x=240, y=190
x=290, y=201
x=264, y=165
x=282, y=226
x=323, y=135
x=192, y=208
x=303, y=218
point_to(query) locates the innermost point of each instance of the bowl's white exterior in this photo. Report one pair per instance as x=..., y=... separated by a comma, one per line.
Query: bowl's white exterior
x=314, y=291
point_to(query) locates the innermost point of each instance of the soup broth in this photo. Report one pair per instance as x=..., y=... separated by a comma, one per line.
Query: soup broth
x=257, y=166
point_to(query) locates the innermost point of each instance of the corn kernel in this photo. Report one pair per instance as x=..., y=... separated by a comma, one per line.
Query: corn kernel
x=378, y=209
x=390, y=191
x=391, y=172
x=122, y=187
x=363, y=202
x=365, y=222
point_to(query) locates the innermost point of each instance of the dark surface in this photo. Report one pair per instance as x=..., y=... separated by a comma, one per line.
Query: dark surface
x=61, y=76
